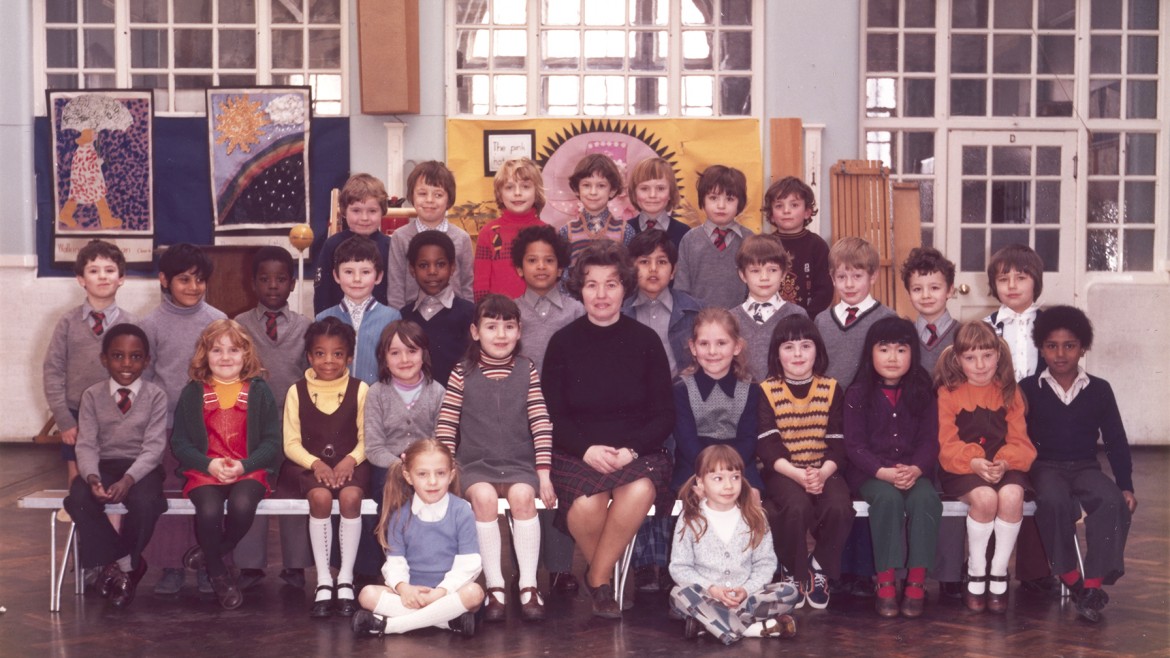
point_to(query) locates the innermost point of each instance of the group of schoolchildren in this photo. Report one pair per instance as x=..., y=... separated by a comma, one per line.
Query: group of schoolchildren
x=412, y=388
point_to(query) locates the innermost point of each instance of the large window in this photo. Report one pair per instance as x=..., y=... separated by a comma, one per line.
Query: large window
x=1088, y=68
x=178, y=48
x=605, y=58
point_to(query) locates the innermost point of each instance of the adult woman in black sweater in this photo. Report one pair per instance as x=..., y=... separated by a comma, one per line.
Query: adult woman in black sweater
x=606, y=380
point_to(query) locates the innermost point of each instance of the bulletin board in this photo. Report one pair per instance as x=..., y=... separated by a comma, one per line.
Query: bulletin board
x=690, y=145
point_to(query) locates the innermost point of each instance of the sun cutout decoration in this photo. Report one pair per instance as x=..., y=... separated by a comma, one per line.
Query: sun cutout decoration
x=623, y=141
x=239, y=122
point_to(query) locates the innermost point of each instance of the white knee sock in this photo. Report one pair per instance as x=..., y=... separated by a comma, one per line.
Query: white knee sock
x=1005, y=541
x=489, y=550
x=348, y=537
x=321, y=539
x=978, y=535
x=390, y=605
x=443, y=610
x=526, y=540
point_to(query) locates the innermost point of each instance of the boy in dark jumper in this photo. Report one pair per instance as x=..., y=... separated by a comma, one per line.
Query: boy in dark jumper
x=279, y=336
x=120, y=441
x=789, y=205
x=763, y=266
x=444, y=317
x=1067, y=410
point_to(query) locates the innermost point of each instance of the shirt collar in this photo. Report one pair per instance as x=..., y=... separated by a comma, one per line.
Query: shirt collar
x=134, y=387
x=446, y=297
x=706, y=384
x=261, y=310
x=664, y=298
x=864, y=305
x=662, y=219
x=111, y=311
x=554, y=297
x=1078, y=385
x=440, y=227
x=429, y=511
x=775, y=300
x=735, y=227
x=940, y=325
x=351, y=306
x=1008, y=316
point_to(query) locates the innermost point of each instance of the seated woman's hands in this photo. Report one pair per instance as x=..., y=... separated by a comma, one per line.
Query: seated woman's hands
x=606, y=459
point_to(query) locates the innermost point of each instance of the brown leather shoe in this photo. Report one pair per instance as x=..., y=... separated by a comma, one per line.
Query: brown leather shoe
x=106, y=579
x=226, y=591
x=886, y=606
x=563, y=581
x=974, y=602
x=193, y=558
x=604, y=603
x=912, y=607
x=997, y=603
x=782, y=626
x=124, y=588
x=533, y=610
x=493, y=609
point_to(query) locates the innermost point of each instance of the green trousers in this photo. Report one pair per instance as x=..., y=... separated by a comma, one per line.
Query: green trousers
x=921, y=509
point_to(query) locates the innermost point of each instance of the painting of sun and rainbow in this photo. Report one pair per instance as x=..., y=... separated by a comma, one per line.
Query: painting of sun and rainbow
x=259, y=140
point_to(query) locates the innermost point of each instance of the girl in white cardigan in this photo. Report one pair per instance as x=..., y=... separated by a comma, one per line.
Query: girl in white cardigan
x=722, y=557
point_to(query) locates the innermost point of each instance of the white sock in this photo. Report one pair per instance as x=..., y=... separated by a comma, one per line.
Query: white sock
x=1005, y=541
x=348, y=537
x=443, y=610
x=390, y=605
x=815, y=565
x=755, y=629
x=978, y=535
x=489, y=551
x=321, y=539
x=125, y=564
x=526, y=540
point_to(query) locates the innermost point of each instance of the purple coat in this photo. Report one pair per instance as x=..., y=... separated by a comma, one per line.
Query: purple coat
x=887, y=435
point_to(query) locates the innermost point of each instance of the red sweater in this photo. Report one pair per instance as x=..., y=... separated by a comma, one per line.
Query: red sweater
x=494, y=271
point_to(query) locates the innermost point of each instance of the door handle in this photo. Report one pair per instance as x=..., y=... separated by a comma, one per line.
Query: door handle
x=964, y=289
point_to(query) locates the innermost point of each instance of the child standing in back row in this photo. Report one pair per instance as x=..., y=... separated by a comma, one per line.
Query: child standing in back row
x=763, y=265
x=519, y=191
x=443, y=315
x=930, y=279
x=431, y=190
x=853, y=263
x=706, y=255
x=495, y=421
x=362, y=203
x=653, y=190
x=985, y=455
x=723, y=559
x=595, y=180
x=789, y=204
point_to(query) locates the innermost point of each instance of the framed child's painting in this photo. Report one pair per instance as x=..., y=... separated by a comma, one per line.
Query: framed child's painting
x=259, y=141
x=102, y=183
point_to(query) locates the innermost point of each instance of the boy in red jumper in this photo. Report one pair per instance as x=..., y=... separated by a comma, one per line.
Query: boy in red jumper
x=519, y=191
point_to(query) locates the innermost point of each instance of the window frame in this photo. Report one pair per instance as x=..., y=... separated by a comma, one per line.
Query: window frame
x=674, y=73
x=123, y=72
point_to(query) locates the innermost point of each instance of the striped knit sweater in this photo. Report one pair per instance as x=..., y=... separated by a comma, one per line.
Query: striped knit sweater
x=578, y=235
x=801, y=423
x=539, y=423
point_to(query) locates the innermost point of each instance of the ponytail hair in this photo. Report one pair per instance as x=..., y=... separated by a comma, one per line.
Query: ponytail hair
x=714, y=458
x=397, y=493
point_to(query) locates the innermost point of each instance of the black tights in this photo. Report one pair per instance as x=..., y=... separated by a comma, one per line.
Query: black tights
x=218, y=533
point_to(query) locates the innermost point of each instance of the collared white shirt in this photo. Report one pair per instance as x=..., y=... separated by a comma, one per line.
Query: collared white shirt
x=841, y=309
x=661, y=221
x=941, y=325
x=357, y=310
x=429, y=306
x=766, y=309
x=1073, y=391
x=134, y=387
x=1016, y=330
x=429, y=512
x=110, y=312
x=440, y=227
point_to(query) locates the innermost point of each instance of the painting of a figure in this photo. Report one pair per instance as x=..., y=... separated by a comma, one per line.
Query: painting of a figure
x=101, y=161
x=259, y=156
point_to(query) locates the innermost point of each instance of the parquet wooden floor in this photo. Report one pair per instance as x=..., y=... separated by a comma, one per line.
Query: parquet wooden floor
x=273, y=620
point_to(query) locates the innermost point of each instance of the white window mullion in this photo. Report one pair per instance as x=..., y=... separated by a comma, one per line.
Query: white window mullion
x=40, y=76
x=264, y=42
x=674, y=66
x=121, y=45
x=343, y=20
x=532, y=61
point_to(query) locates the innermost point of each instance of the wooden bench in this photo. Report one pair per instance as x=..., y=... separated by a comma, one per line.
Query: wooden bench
x=53, y=500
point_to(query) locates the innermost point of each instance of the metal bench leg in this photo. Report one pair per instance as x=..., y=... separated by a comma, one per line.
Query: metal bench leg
x=57, y=575
x=78, y=572
x=621, y=570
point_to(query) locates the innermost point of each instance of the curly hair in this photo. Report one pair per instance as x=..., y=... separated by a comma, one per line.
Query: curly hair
x=602, y=253
x=790, y=186
x=1069, y=318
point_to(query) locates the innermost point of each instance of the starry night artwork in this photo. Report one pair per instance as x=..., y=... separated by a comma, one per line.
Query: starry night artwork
x=259, y=141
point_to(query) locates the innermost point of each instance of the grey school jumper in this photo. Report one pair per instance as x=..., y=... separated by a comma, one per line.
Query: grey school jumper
x=759, y=336
x=283, y=358
x=536, y=329
x=390, y=427
x=845, y=344
x=707, y=274
x=173, y=331
x=72, y=362
x=402, y=289
x=105, y=432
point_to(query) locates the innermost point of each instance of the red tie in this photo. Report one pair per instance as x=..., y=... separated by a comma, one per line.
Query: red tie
x=98, y=319
x=850, y=315
x=124, y=400
x=651, y=224
x=933, y=335
x=270, y=323
x=721, y=238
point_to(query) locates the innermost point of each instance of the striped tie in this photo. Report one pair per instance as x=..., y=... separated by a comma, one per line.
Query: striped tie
x=124, y=400
x=721, y=238
x=99, y=319
x=933, y=335
x=651, y=224
x=850, y=315
x=270, y=323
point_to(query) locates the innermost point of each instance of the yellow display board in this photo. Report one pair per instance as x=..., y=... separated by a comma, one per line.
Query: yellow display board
x=475, y=148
